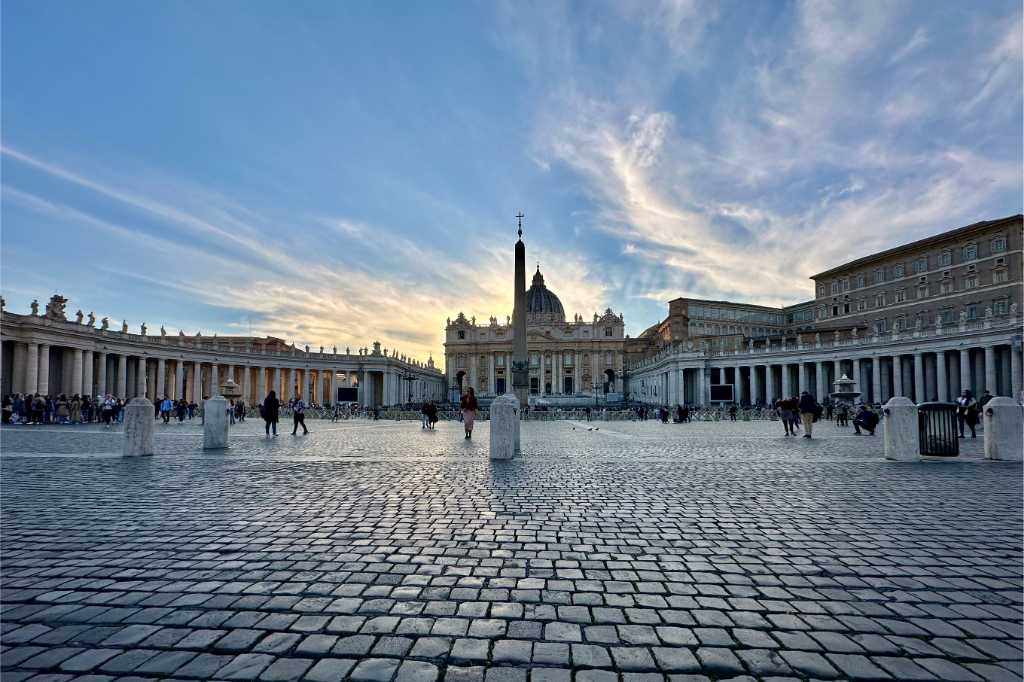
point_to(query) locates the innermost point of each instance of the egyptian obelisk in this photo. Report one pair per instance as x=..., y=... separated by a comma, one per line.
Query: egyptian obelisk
x=520, y=366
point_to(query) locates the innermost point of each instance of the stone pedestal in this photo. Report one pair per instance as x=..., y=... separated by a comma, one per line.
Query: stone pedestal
x=899, y=430
x=1004, y=430
x=138, y=427
x=504, y=427
x=215, y=425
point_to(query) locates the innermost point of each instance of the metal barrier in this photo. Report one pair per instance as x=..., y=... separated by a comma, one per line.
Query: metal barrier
x=937, y=430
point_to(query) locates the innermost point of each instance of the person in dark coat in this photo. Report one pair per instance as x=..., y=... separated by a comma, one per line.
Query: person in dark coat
x=271, y=407
x=865, y=419
x=808, y=408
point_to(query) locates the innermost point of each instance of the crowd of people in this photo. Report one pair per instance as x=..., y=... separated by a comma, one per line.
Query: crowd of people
x=36, y=409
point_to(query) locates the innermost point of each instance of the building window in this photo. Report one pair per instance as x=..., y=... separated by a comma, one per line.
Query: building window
x=971, y=282
x=999, y=244
x=835, y=311
x=946, y=287
x=860, y=280
x=900, y=324
x=607, y=331
x=946, y=316
x=972, y=312
x=533, y=360
x=821, y=312
x=922, y=291
x=1001, y=306
x=880, y=326
x=877, y=276
x=897, y=270
x=821, y=291
x=835, y=286
x=946, y=258
x=500, y=360
x=608, y=358
x=462, y=334
x=921, y=265
x=970, y=252
x=900, y=296
x=862, y=304
x=880, y=300
x=1000, y=276
x=568, y=359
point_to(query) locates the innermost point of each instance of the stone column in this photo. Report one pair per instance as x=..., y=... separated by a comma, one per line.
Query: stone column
x=101, y=377
x=965, y=369
x=87, y=373
x=44, y=369
x=990, y=370
x=1015, y=373
x=140, y=378
x=161, y=378
x=755, y=388
x=179, y=379
x=76, y=371
x=897, y=377
x=261, y=384
x=577, y=373
x=787, y=389
x=737, y=377
x=492, y=384
x=474, y=359
x=769, y=385
x=876, y=380
x=31, y=384
x=214, y=380
x=856, y=375
x=919, y=395
x=701, y=383
x=801, y=377
x=67, y=374
x=247, y=384
x=333, y=383
x=819, y=381
x=18, y=368
x=837, y=369
x=230, y=374
x=941, y=376
x=197, y=382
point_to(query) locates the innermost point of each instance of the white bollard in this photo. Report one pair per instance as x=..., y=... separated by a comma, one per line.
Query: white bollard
x=1004, y=430
x=138, y=427
x=504, y=427
x=215, y=426
x=899, y=430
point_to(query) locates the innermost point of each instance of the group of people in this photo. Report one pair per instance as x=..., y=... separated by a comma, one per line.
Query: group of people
x=270, y=411
x=428, y=415
x=968, y=411
x=181, y=409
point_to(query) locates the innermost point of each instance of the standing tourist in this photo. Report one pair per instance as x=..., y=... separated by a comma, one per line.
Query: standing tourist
x=785, y=408
x=271, y=407
x=469, y=407
x=809, y=409
x=299, y=416
x=967, y=413
x=424, y=415
x=842, y=415
x=107, y=410
x=181, y=409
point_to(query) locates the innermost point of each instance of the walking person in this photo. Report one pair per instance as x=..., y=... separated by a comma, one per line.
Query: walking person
x=808, y=408
x=299, y=416
x=785, y=412
x=842, y=415
x=425, y=415
x=166, y=406
x=469, y=407
x=269, y=411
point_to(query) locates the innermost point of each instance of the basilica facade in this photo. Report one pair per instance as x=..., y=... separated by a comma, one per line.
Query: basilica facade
x=578, y=361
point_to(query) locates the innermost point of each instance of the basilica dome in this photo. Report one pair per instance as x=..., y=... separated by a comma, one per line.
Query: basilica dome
x=541, y=303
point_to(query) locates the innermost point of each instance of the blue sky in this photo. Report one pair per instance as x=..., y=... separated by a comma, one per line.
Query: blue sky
x=336, y=173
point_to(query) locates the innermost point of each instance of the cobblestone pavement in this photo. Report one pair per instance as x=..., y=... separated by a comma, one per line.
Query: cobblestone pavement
x=633, y=551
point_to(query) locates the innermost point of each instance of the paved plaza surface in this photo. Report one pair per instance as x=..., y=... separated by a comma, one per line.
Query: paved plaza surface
x=608, y=551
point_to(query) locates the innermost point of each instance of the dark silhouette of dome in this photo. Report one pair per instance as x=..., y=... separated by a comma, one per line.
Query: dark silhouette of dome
x=541, y=301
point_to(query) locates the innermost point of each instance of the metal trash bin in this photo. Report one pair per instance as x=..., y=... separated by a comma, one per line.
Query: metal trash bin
x=937, y=430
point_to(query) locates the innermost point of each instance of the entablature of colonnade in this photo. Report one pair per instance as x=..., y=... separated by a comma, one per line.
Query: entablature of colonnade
x=53, y=331
x=982, y=333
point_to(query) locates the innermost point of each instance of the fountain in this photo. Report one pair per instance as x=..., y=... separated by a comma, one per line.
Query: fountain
x=844, y=391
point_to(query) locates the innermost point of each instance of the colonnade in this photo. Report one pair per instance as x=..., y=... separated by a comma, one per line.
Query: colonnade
x=921, y=374
x=47, y=369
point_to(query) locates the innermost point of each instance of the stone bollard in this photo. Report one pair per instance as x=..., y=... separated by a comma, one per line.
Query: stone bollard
x=215, y=426
x=1004, y=426
x=138, y=427
x=899, y=430
x=504, y=427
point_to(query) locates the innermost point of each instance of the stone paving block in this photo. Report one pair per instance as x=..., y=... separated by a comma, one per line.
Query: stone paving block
x=330, y=669
x=245, y=667
x=286, y=669
x=374, y=670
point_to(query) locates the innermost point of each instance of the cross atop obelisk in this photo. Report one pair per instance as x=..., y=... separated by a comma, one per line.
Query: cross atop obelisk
x=520, y=368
